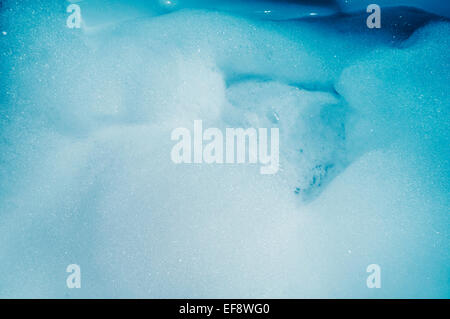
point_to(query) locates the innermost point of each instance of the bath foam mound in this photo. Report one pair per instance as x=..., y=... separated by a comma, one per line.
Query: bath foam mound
x=86, y=176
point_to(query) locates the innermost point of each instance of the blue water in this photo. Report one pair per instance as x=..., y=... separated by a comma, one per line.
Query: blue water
x=85, y=170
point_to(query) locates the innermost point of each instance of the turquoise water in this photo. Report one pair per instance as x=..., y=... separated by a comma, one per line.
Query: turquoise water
x=86, y=177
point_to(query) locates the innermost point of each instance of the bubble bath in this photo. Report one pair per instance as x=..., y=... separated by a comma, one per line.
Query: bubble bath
x=86, y=175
